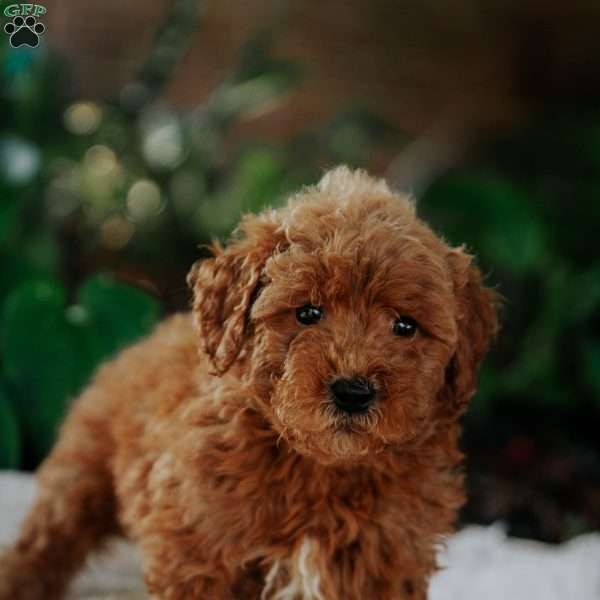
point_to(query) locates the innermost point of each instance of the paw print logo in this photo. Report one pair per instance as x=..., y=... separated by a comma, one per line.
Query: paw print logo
x=24, y=32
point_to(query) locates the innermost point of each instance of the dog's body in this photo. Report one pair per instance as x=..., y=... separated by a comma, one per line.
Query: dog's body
x=263, y=480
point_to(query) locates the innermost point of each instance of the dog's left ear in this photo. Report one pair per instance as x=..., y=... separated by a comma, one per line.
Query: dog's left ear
x=477, y=323
x=225, y=286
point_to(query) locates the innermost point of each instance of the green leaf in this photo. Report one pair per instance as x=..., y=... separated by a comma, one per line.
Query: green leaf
x=256, y=83
x=257, y=181
x=41, y=359
x=257, y=178
x=119, y=313
x=50, y=349
x=10, y=213
x=10, y=443
x=258, y=93
x=14, y=270
x=492, y=216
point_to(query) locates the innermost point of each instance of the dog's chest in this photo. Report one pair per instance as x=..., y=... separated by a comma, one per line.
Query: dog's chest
x=275, y=507
x=297, y=575
x=292, y=500
x=293, y=537
x=297, y=528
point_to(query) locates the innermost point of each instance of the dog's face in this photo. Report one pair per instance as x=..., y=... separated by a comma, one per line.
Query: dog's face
x=357, y=327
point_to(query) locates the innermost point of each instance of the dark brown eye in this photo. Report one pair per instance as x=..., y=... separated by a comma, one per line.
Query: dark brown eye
x=309, y=314
x=404, y=326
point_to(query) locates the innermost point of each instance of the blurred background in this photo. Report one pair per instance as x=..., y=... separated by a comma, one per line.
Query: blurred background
x=136, y=131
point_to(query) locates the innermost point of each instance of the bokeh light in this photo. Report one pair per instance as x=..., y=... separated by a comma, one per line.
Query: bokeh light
x=144, y=200
x=19, y=160
x=116, y=231
x=162, y=139
x=82, y=118
x=101, y=161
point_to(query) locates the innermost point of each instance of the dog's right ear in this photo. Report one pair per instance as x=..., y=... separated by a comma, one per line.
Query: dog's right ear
x=225, y=286
x=477, y=324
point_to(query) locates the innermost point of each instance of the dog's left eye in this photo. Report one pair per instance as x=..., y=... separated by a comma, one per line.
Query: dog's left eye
x=404, y=326
x=309, y=314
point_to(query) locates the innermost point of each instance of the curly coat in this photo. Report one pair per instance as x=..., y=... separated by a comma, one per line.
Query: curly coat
x=230, y=467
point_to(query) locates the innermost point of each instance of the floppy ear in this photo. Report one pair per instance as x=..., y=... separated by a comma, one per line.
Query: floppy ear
x=477, y=324
x=224, y=288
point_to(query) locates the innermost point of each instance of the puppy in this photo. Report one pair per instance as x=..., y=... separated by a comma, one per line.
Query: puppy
x=309, y=450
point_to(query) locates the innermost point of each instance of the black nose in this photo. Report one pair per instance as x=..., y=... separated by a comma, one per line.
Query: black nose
x=352, y=395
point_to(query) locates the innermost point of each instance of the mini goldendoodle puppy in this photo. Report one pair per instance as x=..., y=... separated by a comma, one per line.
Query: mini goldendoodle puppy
x=309, y=450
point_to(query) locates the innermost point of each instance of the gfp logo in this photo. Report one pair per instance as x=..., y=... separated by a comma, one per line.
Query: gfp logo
x=24, y=29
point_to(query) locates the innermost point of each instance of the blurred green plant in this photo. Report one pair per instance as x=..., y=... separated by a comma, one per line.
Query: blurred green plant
x=529, y=209
x=50, y=348
x=131, y=186
x=528, y=205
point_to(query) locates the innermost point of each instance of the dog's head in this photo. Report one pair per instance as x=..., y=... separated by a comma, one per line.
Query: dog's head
x=356, y=327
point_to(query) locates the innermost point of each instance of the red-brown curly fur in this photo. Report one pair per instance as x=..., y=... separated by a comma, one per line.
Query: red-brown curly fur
x=230, y=467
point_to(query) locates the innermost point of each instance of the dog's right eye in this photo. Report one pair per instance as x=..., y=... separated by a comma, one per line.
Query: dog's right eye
x=309, y=314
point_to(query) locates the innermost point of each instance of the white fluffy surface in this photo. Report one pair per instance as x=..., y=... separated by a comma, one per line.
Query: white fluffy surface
x=480, y=562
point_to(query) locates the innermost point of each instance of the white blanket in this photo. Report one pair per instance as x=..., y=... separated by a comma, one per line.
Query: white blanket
x=481, y=562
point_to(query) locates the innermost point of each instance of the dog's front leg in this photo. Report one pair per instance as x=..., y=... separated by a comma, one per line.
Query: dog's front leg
x=164, y=584
x=353, y=582
x=174, y=570
x=310, y=573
